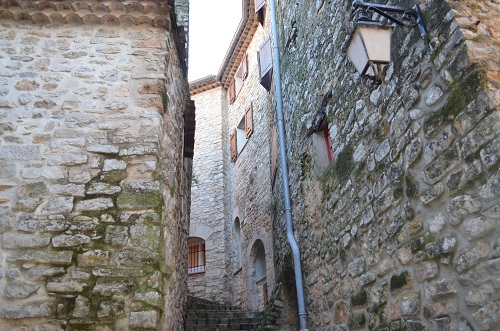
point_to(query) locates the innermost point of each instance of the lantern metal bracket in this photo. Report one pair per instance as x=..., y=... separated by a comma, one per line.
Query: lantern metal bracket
x=410, y=18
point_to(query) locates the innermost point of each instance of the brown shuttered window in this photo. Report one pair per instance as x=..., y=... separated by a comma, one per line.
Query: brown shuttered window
x=234, y=147
x=265, y=64
x=260, y=10
x=248, y=122
x=232, y=92
x=274, y=155
x=244, y=68
x=259, y=4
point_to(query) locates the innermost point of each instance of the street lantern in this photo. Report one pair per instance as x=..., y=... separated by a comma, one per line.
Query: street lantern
x=369, y=47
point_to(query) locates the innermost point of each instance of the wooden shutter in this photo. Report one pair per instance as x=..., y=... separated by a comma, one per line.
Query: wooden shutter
x=244, y=68
x=248, y=122
x=234, y=147
x=265, y=64
x=274, y=155
x=259, y=4
x=232, y=92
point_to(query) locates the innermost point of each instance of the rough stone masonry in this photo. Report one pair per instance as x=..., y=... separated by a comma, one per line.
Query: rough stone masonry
x=93, y=190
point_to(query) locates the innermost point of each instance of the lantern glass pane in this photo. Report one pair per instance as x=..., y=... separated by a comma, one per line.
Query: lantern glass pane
x=377, y=41
x=357, y=52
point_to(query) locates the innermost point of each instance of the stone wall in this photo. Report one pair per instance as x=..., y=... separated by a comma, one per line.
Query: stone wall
x=250, y=190
x=401, y=230
x=93, y=190
x=209, y=206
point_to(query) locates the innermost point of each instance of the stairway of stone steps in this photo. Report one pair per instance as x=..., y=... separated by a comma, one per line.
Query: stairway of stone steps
x=205, y=315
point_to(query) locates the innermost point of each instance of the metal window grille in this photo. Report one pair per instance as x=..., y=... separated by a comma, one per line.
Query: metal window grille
x=196, y=257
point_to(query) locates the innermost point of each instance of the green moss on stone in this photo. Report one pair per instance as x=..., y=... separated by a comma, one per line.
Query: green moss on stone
x=139, y=200
x=461, y=94
x=32, y=190
x=357, y=320
x=399, y=281
x=359, y=299
x=381, y=131
x=114, y=176
x=344, y=163
x=411, y=186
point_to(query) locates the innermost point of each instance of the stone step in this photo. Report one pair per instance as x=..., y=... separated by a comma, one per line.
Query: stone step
x=205, y=315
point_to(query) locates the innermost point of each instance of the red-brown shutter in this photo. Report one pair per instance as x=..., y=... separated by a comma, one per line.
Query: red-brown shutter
x=274, y=155
x=248, y=122
x=234, y=150
x=232, y=92
x=259, y=4
x=244, y=68
x=265, y=64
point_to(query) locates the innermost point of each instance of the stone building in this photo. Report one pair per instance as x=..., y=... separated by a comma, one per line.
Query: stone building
x=231, y=193
x=96, y=135
x=395, y=183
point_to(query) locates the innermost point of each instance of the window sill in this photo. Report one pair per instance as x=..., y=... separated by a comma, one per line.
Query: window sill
x=237, y=271
x=260, y=280
x=196, y=273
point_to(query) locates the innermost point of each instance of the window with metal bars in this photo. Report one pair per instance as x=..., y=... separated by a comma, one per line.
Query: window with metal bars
x=196, y=256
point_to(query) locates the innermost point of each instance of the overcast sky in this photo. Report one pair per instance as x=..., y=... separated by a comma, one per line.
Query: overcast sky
x=212, y=25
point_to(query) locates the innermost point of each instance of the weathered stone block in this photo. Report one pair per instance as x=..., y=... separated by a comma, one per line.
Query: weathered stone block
x=138, y=200
x=137, y=257
x=68, y=159
x=356, y=267
x=66, y=287
x=492, y=187
x=111, y=164
x=462, y=206
x=150, y=298
x=103, y=149
x=482, y=134
x=109, y=288
x=109, y=308
x=26, y=85
x=18, y=240
x=432, y=194
x=82, y=307
x=45, y=172
x=119, y=272
x=70, y=240
x=116, y=235
x=64, y=143
x=489, y=316
x=20, y=152
x=490, y=154
x=441, y=287
x=47, y=257
x=28, y=310
x=441, y=166
x=40, y=273
x=59, y=205
x=143, y=319
x=438, y=145
x=477, y=228
x=471, y=256
x=96, y=204
x=410, y=304
x=145, y=236
x=19, y=290
x=93, y=258
x=466, y=174
x=74, y=190
x=138, y=150
x=442, y=246
x=103, y=188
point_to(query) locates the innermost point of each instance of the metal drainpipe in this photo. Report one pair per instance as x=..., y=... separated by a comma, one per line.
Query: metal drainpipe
x=284, y=172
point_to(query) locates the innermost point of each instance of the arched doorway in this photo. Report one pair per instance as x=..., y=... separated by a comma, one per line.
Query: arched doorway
x=258, y=275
